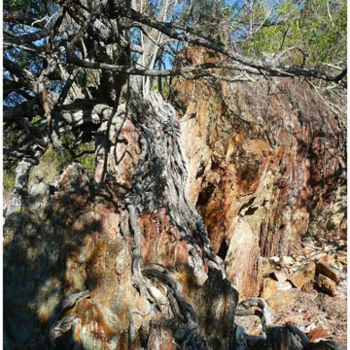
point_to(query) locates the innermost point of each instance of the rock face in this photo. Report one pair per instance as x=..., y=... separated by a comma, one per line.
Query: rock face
x=123, y=261
x=266, y=166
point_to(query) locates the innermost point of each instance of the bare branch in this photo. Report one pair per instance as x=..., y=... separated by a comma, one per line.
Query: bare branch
x=184, y=34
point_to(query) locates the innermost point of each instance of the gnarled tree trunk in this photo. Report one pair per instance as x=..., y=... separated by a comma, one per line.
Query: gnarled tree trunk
x=125, y=263
x=124, y=260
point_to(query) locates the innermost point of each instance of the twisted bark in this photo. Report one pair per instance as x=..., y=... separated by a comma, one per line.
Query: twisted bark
x=144, y=180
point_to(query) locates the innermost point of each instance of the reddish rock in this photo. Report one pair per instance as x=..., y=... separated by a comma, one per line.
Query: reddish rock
x=326, y=285
x=303, y=275
x=265, y=167
x=317, y=334
x=329, y=271
x=253, y=158
x=84, y=246
x=269, y=288
x=161, y=241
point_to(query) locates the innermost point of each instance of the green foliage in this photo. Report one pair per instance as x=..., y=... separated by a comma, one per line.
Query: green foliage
x=83, y=153
x=32, y=7
x=36, y=120
x=311, y=34
x=54, y=161
x=18, y=3
x=165, y=88
x=51, y=164
x=87, y=160
x=324, y=33
x=10, y=137
x=8, y=181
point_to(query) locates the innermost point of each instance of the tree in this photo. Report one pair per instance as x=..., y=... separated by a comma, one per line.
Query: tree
x=304, y=32
x=77, y=72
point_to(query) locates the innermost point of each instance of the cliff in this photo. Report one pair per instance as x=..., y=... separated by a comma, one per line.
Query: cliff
x=258, y=167
x=267, y=166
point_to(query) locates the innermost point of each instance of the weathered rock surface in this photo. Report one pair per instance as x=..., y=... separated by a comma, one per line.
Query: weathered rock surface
x=318, y=307
x=125, y=263
x=329, y=271
x=267, y=172
x=326, y=284
x=266, y=166
x=303, y=275
x=77, y=248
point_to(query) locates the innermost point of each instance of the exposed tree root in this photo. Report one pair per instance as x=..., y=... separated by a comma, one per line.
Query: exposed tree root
x=139, y=282
x=272, y=337
x=57, y=325
x=188, y=333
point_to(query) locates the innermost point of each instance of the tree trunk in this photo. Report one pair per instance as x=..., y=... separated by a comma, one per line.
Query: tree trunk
x=126, y=263
x=21, y=181
x=153, y=252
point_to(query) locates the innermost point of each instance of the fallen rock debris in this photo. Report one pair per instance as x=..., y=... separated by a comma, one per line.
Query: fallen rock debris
x=306, y=290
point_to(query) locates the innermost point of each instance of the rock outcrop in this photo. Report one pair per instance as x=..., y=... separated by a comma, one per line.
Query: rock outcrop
x=134, y=257
x=266, y=165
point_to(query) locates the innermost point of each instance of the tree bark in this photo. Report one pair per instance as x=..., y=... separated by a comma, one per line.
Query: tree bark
x=141, y=274
x=124, y=261
x=121, y=261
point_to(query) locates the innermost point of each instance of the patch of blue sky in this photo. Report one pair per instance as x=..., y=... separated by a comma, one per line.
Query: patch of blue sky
x=56, y=86
x=135, y=34
x=39, y=43
x=24, y=29
x=6, y=74
x=10, y=55
x=13, y=99
x=36, y=66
